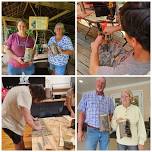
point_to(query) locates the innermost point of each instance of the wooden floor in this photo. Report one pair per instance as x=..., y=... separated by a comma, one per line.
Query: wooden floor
x=84, y=50
x=7, y=143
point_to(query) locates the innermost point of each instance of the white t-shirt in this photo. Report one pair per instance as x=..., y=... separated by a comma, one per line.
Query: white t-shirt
x=12, y=117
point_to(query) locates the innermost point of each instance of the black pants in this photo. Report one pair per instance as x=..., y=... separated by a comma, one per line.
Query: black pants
x=15, y=137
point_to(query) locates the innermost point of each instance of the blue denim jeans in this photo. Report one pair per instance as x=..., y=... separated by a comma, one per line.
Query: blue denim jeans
x=59, y=70
x=95, y=136
x=19, y=71
x=126, y=147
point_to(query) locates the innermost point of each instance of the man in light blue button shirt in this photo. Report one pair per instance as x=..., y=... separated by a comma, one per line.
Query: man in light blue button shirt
x=92, y=105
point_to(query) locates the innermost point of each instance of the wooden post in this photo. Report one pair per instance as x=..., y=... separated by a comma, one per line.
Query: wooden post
x=5, y=28
x=82, y=7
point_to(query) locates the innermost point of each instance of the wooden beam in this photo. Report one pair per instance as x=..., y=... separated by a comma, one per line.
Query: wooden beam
x=33, y=9
x=25, y=9
x=59, y=15
x=58, y=5
x=5, y=25
x=11, y=19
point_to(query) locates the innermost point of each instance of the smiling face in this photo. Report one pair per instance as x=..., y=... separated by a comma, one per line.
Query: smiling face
x=125, y=98
x=58, y=30
x=100, y=84
x=21, y=26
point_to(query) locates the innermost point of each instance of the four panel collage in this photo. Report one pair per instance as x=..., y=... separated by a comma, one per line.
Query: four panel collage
x=100, y=98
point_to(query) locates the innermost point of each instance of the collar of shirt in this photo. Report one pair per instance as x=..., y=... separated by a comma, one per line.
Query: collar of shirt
x=100, y=93
x=127, y=108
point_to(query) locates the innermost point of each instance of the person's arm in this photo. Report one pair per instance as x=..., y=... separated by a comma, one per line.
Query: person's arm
x=10, y=54
x=94, y=57
x=111, y=108
x=141, y=132
x=81, y=120
x=114, y=123
x=82, y=116
x=68, y=49
x=68, y=105
x=68, y=52
x=29, y=119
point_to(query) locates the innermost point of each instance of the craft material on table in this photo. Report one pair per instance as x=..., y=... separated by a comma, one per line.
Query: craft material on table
x=56, y=134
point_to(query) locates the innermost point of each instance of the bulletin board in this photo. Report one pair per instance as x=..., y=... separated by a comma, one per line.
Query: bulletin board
x=38, y=23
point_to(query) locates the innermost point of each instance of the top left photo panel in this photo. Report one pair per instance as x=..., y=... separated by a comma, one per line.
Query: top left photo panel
x=38, y=38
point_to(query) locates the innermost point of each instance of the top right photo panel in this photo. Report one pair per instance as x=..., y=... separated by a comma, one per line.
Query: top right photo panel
x=113, y=38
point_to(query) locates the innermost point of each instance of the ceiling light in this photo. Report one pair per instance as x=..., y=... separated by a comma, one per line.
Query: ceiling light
x=80, y=81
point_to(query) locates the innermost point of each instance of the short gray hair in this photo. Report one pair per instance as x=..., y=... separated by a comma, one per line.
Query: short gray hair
x=61, y=25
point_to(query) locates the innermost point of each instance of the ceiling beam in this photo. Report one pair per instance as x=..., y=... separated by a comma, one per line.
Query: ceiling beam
x=11, y=19
x=57, y=5
x=59, y=15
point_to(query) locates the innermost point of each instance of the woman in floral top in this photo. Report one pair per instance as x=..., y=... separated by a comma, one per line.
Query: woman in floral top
x=58, y=62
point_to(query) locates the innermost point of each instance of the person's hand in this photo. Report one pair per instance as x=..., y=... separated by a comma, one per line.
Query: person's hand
x=80, y=135
x=109, y=30
x=72, y=114
x=37, y=126
x=99, y=40
x=119, y=119
x=140, y=147
x=30, y=63
x=35, y=118
x=20, y=60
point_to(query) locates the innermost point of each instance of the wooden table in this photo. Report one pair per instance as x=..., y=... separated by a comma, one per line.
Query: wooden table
x=55, y=135
x=41, y=57
x=89, y=16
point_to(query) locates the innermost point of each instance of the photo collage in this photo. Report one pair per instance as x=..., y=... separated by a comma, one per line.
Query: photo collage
x=75, y=75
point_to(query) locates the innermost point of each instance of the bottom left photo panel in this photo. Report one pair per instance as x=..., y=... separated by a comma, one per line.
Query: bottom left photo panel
x=38, y=113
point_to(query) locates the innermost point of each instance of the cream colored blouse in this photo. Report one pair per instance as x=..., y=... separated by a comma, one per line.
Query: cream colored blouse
x=137, y=125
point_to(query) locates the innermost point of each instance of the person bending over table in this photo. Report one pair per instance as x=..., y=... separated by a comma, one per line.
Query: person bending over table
x=16, y=112
x=135, y=21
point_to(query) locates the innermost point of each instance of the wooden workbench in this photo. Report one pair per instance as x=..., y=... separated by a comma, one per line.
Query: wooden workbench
x=55, y=135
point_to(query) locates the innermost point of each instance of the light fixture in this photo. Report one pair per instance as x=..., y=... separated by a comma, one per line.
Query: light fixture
x=80, y=81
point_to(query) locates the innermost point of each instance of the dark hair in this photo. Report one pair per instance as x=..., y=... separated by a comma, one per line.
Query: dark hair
x=21, y=20
x=37, y=92
x=135, y=21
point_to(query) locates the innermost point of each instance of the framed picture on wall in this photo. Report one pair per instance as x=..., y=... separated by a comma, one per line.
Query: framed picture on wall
x=138, y=99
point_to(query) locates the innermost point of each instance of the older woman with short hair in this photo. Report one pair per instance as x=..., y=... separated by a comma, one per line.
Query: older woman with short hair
x=58, y=62
x=136, y=136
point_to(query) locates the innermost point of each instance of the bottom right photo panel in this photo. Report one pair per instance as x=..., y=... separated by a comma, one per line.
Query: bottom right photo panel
x=113, y=113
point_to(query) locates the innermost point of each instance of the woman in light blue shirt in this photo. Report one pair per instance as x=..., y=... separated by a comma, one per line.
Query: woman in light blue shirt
x=58, y=62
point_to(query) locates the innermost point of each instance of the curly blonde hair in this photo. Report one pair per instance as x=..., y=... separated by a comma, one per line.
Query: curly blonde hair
x=129, y=92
